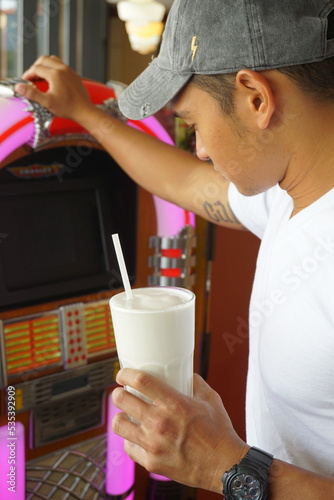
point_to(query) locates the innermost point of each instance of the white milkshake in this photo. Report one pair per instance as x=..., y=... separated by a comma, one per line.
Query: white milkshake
x=154, y=332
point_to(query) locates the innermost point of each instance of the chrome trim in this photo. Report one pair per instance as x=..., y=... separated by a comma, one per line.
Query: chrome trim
x=185, y=241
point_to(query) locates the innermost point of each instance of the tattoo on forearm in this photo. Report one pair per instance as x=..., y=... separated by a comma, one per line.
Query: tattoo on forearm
x=218, y=213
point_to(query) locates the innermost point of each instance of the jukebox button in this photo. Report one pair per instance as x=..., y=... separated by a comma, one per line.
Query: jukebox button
x=74, y=335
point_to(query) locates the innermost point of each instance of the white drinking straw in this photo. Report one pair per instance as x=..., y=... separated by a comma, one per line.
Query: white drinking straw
x=122, y=266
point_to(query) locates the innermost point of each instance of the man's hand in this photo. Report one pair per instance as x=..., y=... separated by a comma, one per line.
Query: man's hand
x=66, y=97
x=188, y=439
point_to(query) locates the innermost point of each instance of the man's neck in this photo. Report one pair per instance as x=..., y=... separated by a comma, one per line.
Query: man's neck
x=310, y=174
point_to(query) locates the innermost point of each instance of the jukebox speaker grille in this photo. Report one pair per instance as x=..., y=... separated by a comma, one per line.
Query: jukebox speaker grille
x=71, y=473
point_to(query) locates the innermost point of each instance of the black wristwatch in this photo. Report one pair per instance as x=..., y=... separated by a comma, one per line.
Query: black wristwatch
x=249, y=478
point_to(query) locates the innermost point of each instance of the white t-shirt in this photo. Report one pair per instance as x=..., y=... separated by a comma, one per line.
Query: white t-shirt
x=290, y=387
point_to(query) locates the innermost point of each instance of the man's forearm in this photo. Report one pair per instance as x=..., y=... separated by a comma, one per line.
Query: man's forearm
x=167, y=171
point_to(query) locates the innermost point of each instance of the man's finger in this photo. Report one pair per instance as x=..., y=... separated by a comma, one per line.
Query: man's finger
x=161, y=393
x=129, y=427
x=130, y=404
x=200, y=386
x=52, y=62
x=31, y=92
x=135, y=452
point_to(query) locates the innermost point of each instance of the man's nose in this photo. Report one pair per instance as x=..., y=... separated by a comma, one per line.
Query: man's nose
x=200, y=149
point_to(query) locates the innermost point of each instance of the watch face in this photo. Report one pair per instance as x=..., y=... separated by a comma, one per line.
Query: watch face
x=245, y=487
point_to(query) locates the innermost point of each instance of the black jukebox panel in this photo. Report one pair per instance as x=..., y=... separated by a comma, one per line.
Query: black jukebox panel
x=56, y=223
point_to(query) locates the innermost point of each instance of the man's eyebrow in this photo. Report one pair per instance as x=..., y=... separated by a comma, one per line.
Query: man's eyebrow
x=180, y=114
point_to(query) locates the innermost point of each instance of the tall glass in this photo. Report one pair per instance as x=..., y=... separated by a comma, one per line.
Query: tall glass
x=155, y=332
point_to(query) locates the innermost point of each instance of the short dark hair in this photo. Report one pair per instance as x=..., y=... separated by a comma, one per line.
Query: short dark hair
x=221, y=87
x=313, y=78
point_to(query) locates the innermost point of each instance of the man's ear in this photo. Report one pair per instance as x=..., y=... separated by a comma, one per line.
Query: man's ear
x=258, y=96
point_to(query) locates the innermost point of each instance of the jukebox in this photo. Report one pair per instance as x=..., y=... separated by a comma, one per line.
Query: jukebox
x=61, y=198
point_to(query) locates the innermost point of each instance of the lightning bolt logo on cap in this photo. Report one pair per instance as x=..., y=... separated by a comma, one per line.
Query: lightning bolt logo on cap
x=194, y=47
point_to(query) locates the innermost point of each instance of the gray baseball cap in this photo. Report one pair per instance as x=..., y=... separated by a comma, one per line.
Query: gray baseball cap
x=223, y=36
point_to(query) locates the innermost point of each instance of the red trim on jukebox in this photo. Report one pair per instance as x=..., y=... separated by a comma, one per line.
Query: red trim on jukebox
x=16, y=127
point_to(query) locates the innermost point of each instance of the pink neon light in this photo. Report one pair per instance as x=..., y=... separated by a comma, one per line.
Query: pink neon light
x=12, y=463
x=16, y=127
x=171, y=218
x=120, y=469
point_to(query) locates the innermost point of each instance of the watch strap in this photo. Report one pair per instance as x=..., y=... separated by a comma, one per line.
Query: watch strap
x=258, y=458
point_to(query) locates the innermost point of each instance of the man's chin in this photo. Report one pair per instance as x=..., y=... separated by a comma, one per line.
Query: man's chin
x=251, y=190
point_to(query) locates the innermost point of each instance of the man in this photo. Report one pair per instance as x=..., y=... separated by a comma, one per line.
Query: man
x=254, y=78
